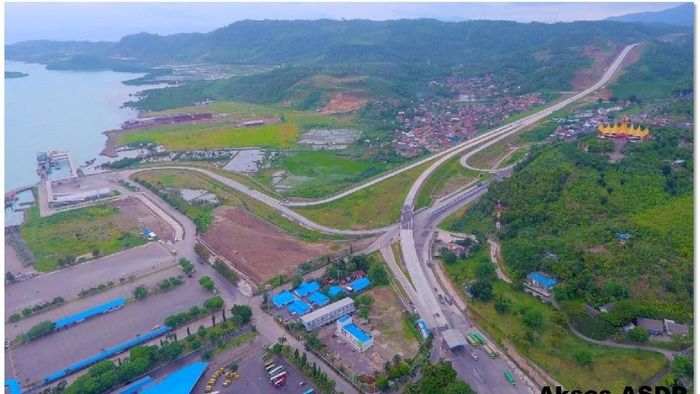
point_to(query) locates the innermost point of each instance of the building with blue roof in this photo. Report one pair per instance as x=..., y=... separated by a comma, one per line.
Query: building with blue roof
x=319, y=299
x=283, y=299
x=135, y=386
x=335, y=290
x=298, y=308
x=540, y=282
x=98, y=310
x=181, y=381
x=346, y=329
x=306, y=288
x=358, y=285
x=13, y=386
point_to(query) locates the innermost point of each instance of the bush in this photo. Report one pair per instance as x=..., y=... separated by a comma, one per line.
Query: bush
x=583, y=358
x=241, y=314
x=39, y=330
x=638, y=334
x=226, y=271
x=140, y=292
x=15, y=317
x=533, y=318
x=447, y=256
x=207, y=283
x=214, y=303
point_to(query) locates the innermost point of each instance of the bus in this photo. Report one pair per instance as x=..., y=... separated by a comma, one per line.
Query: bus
x=509, y=377
x=275, y=371
x=269, y=362
x=490, y=351
x=279, y=376
x=270, y=367
x=309, y=391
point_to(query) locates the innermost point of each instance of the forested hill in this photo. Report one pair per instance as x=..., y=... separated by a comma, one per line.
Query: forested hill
x=332, y=41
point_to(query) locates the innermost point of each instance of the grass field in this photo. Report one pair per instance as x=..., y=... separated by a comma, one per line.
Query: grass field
x=376, y=206
x=75, y=233
x=234, y=109
x=228, y=196
x=385, y=313
x=555, y=346
x=447, y=178
x=326, y=172
x=215, y=135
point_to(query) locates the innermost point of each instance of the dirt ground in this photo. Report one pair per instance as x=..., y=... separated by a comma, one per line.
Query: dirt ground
x=617, y=154
x=587, y=76
x=344, y=102
x=134, y=213
x=257, y=248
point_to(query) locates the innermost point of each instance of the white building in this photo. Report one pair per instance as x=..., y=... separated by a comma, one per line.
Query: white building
x=353, y=334
x=328, y=313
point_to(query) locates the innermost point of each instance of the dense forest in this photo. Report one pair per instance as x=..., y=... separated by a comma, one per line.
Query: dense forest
x=607, y=231
x=398, y=56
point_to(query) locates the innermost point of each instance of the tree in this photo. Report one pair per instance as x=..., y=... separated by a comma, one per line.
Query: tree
x=583, y=358
x=241, y=314
x=533, y=318
x=201, y=251
x=447, y=256
x=170, y=351
x=485, y=271
x=482, y=290
x=296, y=281
x=40, y=329
x=377, y=273
x=15, y=317
x=214, y=303
x=140, y=292
x=207, y=283
x=502, y=305
x=10, y=277
x=638, y=334
x=187, y=266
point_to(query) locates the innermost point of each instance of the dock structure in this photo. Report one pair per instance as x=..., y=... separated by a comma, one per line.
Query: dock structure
x=46, y=161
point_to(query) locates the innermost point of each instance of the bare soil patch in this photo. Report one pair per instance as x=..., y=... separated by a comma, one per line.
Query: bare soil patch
x=133, y=213
x=258, y=248
x=587, y=76
x=344, y=102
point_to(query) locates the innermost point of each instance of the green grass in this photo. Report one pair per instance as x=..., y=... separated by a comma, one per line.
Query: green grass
x=447, y=178
x=644, y=90
x=514, y=158
x=376, y=206
x=612, y=368
x=215, y=135
x=236, y=109
x=328, y=171
x=461, y=272
x=75, y=233
x=228, y=196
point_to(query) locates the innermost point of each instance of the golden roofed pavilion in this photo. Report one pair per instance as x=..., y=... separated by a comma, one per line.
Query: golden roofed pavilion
x=623, y=130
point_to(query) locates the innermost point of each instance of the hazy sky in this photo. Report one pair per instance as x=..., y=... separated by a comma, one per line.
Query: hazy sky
x=111, y=21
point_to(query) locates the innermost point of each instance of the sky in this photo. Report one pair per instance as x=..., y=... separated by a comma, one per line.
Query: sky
x=111, y=21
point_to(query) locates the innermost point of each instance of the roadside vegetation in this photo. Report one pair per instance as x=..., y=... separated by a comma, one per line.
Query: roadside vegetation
x=448, y=178
x=160, y=180
x=71, y=237
x=376, y=206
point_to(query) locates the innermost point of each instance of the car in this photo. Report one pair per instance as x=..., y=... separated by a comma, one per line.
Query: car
x=474, y=356
x=157, y=326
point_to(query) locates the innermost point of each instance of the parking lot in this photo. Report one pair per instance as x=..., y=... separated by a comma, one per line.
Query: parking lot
x=36, y=359
x=253, y=377
x=68, y=282
x=81, y=304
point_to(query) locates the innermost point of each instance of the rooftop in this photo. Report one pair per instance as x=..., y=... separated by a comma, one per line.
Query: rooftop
x=181, y=381
x=298, y=307
x=328, y=308
x=454, y=338
x=283, y=298
x=66, y=321
x=357, y=332
x=650, y=324
x=360, y=284
x=335, y=290
x=319, y=299
x=306, y=288
x=542, y=279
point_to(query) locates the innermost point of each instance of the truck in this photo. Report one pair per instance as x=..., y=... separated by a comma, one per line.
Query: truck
x=479, y=338
x=490, y=351
x=472, y=341
x=509, y=377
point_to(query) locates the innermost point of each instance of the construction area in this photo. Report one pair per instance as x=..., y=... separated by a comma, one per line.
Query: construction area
x=257, y=248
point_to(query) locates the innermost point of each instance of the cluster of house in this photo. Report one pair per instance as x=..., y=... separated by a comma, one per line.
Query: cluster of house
x=439, y=123
x=324, y=312
x=583, y=121
x=452, y=242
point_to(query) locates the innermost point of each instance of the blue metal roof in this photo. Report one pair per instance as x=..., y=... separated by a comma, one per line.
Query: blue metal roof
x=13, y=386
x=357, y=332
x=542, y=279
x=113, y=351
x=306, y=288
x=299, y=308
x=134, y=387
x=282, y=299
x=78, y=317
x=319, y=299
x=335, y=290
x=360, y=284
x=181, y=381
x=344, y=318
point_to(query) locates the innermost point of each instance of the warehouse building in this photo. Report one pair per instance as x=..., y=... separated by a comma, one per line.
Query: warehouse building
x=328, y=313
